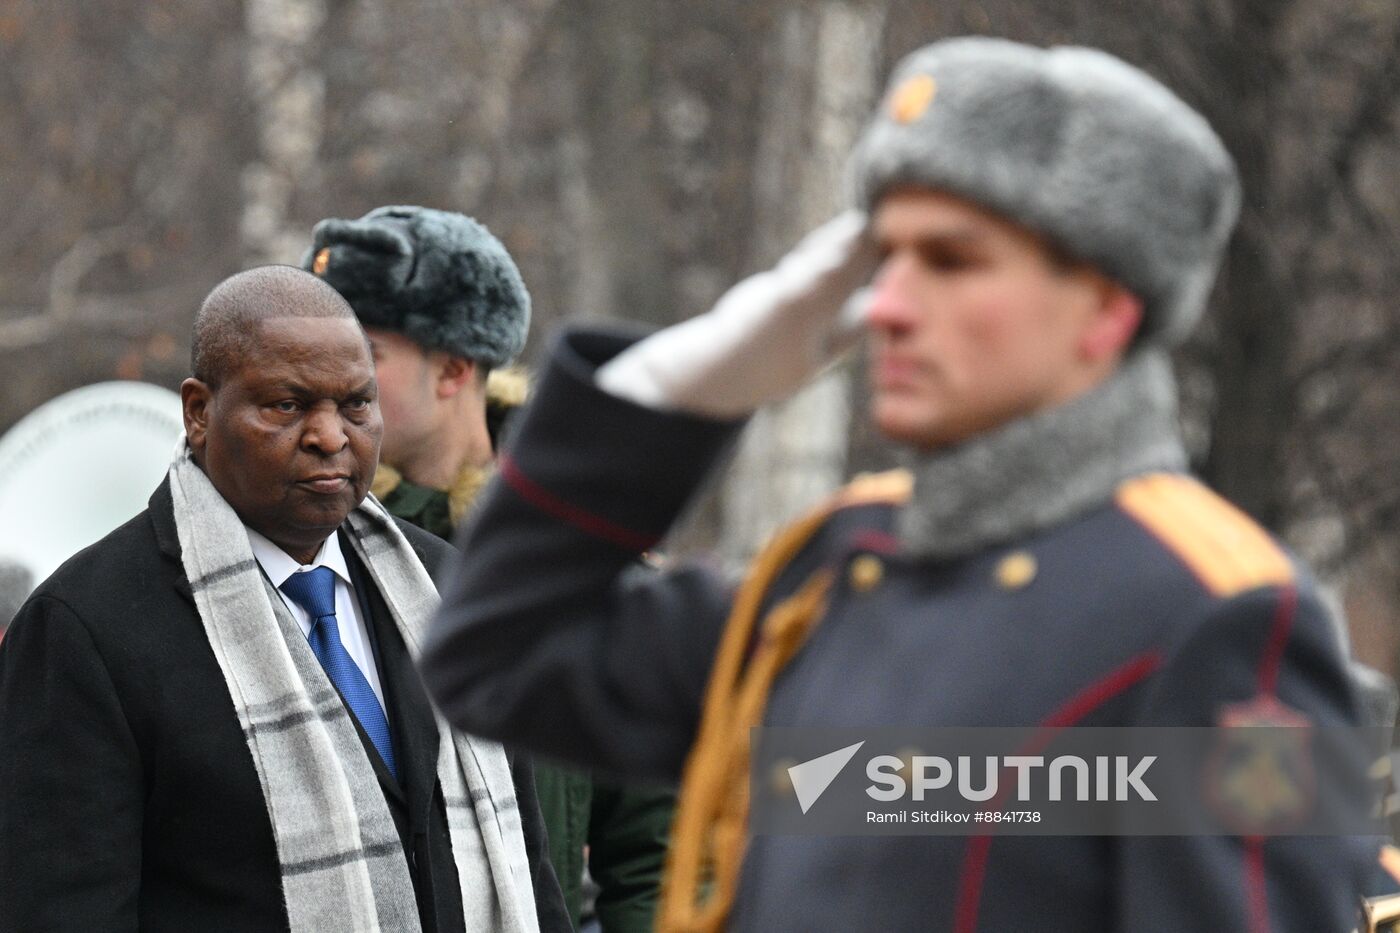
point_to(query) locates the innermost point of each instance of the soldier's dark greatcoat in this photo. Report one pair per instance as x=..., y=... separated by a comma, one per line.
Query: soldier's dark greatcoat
x=1155, y=603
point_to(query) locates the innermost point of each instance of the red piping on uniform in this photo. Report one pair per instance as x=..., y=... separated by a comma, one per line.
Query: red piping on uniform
x=1256, y=894
x=974, y=868
x=1278, y=640
x=876, y=542
x=1255, y=880
x=970, y=884
x=582, y=519
x=1096, y=694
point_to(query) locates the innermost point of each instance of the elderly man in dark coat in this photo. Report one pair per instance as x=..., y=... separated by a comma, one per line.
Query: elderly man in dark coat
x=209, y=720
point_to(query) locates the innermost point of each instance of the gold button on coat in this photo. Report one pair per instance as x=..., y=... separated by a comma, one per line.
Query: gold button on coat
x=906, y=758
x=866, y=573
x=1016, y=570
x=780, y=780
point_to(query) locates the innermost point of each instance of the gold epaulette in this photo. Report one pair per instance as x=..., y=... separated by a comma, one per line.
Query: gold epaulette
x=1219, y=544
x=709, y=833
x=507, y=386
x=386, y=480
x=893, y=487
x=463, y=491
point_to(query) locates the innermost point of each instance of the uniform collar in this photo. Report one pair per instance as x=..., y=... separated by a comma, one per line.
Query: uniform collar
x=412, y=498
x=1041, y=470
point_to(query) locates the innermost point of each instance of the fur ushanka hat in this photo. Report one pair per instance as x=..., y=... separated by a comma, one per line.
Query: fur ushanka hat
x=439, y=278
x=1073, y=144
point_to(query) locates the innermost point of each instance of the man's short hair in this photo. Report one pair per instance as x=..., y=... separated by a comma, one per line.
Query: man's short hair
x=226, y=326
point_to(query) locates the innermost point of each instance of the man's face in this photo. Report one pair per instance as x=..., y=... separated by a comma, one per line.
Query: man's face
x=407, y=377
x=290, y=438
x=972, y=322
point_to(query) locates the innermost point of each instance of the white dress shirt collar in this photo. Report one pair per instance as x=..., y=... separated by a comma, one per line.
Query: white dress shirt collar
x=354, y=635
x=279, y=565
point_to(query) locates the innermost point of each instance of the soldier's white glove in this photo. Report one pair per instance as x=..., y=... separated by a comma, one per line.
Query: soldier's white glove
x=764, y=338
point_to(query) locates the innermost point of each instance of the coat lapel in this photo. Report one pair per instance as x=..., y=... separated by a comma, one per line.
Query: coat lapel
x=162, y=511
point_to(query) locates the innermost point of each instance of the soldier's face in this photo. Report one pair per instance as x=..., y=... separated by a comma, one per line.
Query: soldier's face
x=407, y=398
x=973, y=323
x=290, y=437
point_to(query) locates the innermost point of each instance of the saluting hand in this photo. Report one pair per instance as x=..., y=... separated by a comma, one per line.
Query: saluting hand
x=764, y=338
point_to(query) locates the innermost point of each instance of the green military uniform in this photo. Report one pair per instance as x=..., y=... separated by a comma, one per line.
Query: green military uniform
x=422, y=506
x=624, y=830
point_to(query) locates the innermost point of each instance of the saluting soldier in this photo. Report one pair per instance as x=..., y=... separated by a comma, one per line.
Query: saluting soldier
x=446, y=311
x=1043, y=226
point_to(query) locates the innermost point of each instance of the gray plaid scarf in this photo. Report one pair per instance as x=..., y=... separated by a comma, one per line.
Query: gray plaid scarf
x=342, y=863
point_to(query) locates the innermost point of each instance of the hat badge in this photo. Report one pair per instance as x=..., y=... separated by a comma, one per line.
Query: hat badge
x=322, y=260
x=911, y=99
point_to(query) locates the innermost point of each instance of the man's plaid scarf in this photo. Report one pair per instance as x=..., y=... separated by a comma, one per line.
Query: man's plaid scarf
x=342, y=863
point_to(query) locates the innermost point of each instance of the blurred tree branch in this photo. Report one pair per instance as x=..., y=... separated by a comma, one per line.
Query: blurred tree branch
x=65, y=279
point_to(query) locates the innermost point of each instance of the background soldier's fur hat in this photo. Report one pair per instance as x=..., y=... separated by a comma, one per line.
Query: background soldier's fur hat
x=1074, y=144
x=439, y=278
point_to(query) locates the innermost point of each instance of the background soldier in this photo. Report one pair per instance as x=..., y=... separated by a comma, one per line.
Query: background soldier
x=1045, y=225
x=444, y=306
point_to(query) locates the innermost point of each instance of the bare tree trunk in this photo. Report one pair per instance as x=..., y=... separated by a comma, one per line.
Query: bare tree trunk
x=794, y=454
x=1255, y=321
x=289, y=101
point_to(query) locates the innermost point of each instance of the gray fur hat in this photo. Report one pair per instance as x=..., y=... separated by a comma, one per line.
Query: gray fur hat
x=439, y=278
x=1071, y=143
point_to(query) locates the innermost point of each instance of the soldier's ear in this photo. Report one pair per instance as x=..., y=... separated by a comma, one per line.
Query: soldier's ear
x=455, y=373
x=196, y=398
x=1116, y=319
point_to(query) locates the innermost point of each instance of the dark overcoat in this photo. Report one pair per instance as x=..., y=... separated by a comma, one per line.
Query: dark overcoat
x=128, y=796
x=1159, y=606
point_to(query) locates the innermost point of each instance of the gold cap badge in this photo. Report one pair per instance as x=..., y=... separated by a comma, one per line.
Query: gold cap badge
x=911, y=99
x=323, y=259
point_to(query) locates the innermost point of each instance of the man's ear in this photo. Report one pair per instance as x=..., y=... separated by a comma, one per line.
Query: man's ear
x=1114, y=324
x=196, y=398
x=455, y=374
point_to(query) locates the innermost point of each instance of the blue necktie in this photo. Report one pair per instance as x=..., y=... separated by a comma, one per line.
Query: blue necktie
x=314, y=591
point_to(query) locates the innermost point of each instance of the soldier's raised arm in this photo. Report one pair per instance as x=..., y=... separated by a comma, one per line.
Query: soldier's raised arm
x=550, y=633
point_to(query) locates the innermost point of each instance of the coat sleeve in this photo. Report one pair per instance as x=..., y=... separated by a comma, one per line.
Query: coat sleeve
x=1271, y=644
x=71, y=786
x=548, y=635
